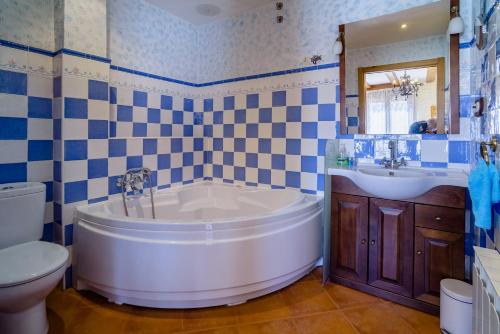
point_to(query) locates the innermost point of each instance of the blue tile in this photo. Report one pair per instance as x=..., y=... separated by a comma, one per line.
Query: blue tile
x=239, y=144
x=228, y=102
x=98, y=129
x=252, y=131
x=140, y=99
x=39, y=150
x=208, y=105
x=208, y=131
x=251, y=160
x=459, y=151
x=188, y=130
x=98, y=199
x=364, y=148
x=293, y=146
x=279, y=98
x=228, y=158
x=292, y=179
x=49, y=191
x=208, y=157
x=427, y=136
x=326, y=112
x=48, y=232
x=176, y=175
x=166, y=102
x=265, y=115
x=198, y=118
x=252, y=100
x=124, y=113
x=321, y=147
x=264, y=176
x=187, y=159
x=56, y=124
x=188, y=105
x=278, y=161
x=98, y=90
x=75, y=150
x=75, y=108
x=337, y=94
x=279, y=130
x=293, y=114
x=309, y=96
x=57, y=171
x=153, y=115
x=352, y=121
x=163, y=161
x=466, y=102
x=264, y=145
x=68, y=235
x=320, y=182
x=12, y=128
x=134, y=162
x=117, y=147
x=149, y=146
x=139, y=129
x=39, y=107
x=178, y=117
x=228, y=130
x=97, y=168
x=113, y=188
x=310, y=130
x=13, y=82
x=176, y=145
x=16, y=172
x=75, y=191
x=218, y=117
x=198, y=144
x=56, y=87
x=198, y=171
x=240, y=116
x=239, y=173
x=217, y=171
x=113, y=97
x=218, y=144
x=166, y=130
x=112, y=129
x=308, y=164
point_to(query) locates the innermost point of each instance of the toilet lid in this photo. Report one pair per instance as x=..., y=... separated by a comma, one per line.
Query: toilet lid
x=458, y=290
x=30, y=261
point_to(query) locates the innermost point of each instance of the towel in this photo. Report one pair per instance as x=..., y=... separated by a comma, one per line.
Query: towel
x=495, y=183
x=480, y=189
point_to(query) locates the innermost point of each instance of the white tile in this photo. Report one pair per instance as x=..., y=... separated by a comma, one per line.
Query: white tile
x=97, y=148
x=41, y=171
x=74, y=170
x=252, y=115
x=48, y=216
x=163, y=145
x=293, y=130
x=73, y=128
x=326, y=130
x=124, y=96
x=279, y=114
x=266, y=99
x=434, y=151
x=278, y=177
x=228, y=144
x=98, y=109
x=75, y=87
x=150, y=161
x=265, y=130
x=177, y=103
x=13, y=105
x=218, y=130
x=251, y=174
x=97, y=187
x=228, y=172
x=278, y=145
x=163, y=177
x=308, y=181
x=239, y=159
x=39, y=64
x=134, y=146
x=188, y=118
x=309, y=147
x=309, y=113
x=326, y=94
x=228, y=116
x=176, y=160
x=188, y=173
x=294, y=97
x=12, y=151
x=240, y=101
x=293, y=163
x=154, y=130
x=218, y=103
x=140, y=114
x=252, y=145
x=117, y=166
x=264, y=161
x=57, y=150
x=40, y=128
x=124, y=129
x=40, y=86
x=14, y=59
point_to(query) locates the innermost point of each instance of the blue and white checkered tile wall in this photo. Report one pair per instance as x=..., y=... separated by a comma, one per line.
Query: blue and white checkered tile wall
x=273, y=138
x=26, y=123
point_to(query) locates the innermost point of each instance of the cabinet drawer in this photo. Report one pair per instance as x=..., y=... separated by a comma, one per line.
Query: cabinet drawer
x=440, y=218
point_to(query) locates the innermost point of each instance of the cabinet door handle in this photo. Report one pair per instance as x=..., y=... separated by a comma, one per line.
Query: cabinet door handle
x=363, y=241
x=419, y=252
x=372, y=242
x=438, y=219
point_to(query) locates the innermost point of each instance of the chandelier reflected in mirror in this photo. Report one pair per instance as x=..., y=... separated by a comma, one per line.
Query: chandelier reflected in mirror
x=407, y=87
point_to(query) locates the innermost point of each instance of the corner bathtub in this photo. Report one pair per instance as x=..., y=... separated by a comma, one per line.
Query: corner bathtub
x=211, y=244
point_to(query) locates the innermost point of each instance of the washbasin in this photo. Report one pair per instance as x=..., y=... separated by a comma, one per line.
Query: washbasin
x=400, y=184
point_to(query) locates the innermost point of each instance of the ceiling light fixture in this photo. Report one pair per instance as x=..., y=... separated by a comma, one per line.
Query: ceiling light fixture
x=456, y=25
x=404, y=26
x=407, y=87
x=338, y=46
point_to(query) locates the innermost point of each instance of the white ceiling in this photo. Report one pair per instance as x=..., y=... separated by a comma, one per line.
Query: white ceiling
x=380, y=78
x=423, y=21
x=189, y=10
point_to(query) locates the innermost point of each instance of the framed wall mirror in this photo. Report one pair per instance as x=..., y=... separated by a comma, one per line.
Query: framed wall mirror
x=399, y=73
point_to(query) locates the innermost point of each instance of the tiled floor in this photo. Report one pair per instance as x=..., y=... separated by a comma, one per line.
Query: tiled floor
x=304, y=307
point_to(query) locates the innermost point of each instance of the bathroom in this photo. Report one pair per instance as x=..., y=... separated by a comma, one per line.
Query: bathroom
x=210, y=166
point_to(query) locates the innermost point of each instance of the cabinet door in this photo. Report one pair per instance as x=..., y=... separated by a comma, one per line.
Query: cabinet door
x=391, y=246
x=438, y=255
x=349, y=235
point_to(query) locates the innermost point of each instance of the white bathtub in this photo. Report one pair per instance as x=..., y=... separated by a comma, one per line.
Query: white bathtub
x=211, y=244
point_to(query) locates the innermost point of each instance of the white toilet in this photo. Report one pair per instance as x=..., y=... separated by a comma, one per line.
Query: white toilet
x=29, y=269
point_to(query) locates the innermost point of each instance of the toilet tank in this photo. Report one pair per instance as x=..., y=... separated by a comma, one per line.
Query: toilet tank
x=22, y=207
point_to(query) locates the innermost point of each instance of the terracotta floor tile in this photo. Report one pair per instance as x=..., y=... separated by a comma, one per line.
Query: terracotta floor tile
x=376, y=319
x=211, y=317
x=307, y=297
x=273, y=327
x=327, y=323
x=422, y=322
x=270, y=307
x=345, y=297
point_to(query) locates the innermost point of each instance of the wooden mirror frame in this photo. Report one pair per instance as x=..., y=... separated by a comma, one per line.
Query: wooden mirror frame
x=435, y=62
x=454, y=80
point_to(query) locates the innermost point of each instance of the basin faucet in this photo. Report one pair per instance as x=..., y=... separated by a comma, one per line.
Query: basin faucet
x=393, y=162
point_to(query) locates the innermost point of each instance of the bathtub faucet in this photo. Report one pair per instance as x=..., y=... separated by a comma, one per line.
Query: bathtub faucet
x=133, y=180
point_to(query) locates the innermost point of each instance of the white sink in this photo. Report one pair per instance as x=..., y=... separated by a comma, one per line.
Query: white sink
x=400, y=184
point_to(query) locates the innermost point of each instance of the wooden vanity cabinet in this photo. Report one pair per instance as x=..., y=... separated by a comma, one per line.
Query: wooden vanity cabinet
x=398, y=250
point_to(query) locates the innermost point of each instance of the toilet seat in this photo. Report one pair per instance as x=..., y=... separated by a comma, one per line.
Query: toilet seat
x=30, y=261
